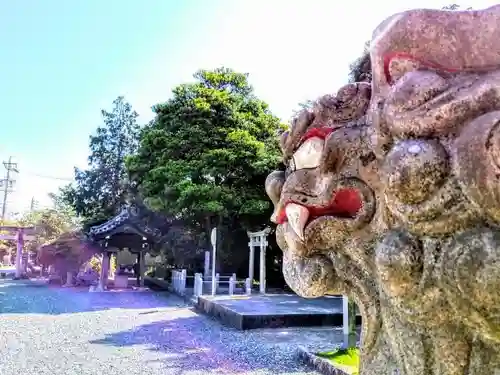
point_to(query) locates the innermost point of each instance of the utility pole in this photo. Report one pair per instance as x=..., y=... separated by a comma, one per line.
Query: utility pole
x=7, y=184
x=33, y=204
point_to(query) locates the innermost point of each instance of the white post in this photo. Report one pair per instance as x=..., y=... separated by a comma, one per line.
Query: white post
x=232, y=281
x=248, y=286
x=345, y=318
x=251, y=260
x=176, y=281
x=217, y=280
x=213, y=238
x=183, y=282
x=262, y=264
x=179, y=281
x=198, y=284
x=206, y=264
x=195, y=286
x=176, y=288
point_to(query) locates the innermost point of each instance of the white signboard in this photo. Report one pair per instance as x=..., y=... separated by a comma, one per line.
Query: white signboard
x=213, y=236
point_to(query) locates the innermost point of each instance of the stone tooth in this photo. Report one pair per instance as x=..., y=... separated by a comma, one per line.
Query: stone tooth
x=297, y=218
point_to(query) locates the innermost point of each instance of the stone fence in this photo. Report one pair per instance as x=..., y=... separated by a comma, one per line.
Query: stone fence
x=179, y=283
x=232, y=282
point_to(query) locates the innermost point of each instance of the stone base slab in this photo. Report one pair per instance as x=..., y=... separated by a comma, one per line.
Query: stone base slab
x=321, y=365
x=272, y=311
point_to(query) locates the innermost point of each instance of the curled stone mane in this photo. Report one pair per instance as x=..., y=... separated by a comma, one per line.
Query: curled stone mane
x=391, y=195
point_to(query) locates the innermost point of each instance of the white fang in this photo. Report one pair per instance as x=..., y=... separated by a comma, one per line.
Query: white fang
x=297, y=218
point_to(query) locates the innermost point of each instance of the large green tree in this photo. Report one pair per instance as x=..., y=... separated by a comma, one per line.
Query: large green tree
x=100, y=190
x=205, y=157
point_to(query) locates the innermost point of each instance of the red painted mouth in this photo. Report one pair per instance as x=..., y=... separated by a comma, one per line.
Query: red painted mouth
x=346, y=203
x=320, y=132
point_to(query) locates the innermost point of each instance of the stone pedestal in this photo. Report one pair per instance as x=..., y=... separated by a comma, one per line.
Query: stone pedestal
x=121, y=281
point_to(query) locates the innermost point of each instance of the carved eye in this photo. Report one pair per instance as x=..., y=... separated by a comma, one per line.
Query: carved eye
x=308, y=154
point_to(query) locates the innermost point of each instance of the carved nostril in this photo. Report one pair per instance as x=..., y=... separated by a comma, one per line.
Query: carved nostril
x=304, y=200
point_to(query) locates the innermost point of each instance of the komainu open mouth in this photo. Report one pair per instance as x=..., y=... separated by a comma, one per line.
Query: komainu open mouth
x=346, y=203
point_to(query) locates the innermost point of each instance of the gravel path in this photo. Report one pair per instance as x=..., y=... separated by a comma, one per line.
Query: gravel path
x=53, y=331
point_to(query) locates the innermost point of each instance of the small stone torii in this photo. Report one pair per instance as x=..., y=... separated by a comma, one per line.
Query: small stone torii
x=18, y=234
x=258, y=239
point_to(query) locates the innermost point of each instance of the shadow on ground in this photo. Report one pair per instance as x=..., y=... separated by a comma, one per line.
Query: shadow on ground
x=197, y=343
x=27, y=297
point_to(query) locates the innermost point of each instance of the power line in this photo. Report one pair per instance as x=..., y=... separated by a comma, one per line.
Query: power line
x=49, y=177
x=7, y=183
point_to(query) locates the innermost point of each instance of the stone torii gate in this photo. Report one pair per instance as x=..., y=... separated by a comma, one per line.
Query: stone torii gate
x=18, y=234
x=258, y=239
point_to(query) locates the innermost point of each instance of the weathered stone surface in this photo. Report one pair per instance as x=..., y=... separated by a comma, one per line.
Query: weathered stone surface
x=401, y=207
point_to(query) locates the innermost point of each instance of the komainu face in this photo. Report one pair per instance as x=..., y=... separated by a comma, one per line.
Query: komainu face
x=324, y=199
x=392, y=195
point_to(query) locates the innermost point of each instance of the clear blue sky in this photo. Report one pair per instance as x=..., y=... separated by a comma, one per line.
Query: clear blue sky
x=62, y=61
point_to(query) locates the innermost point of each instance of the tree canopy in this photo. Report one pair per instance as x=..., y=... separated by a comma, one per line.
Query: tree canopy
x=100, y=190
x=207, y=153
x=50, y=223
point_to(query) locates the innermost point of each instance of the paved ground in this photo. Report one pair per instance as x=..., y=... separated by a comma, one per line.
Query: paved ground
x=53, y=331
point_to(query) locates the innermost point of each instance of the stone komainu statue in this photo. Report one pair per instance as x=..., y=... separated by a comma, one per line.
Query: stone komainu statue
x=392, y=195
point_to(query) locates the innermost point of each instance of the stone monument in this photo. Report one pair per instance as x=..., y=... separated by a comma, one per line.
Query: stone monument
x=392, y=196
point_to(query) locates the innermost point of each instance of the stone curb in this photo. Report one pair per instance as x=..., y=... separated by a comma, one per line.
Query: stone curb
x=320, y=364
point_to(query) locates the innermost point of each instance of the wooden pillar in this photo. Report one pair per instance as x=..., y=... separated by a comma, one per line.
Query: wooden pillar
x=103, y=277
x=138, y=269
x=142, y=267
